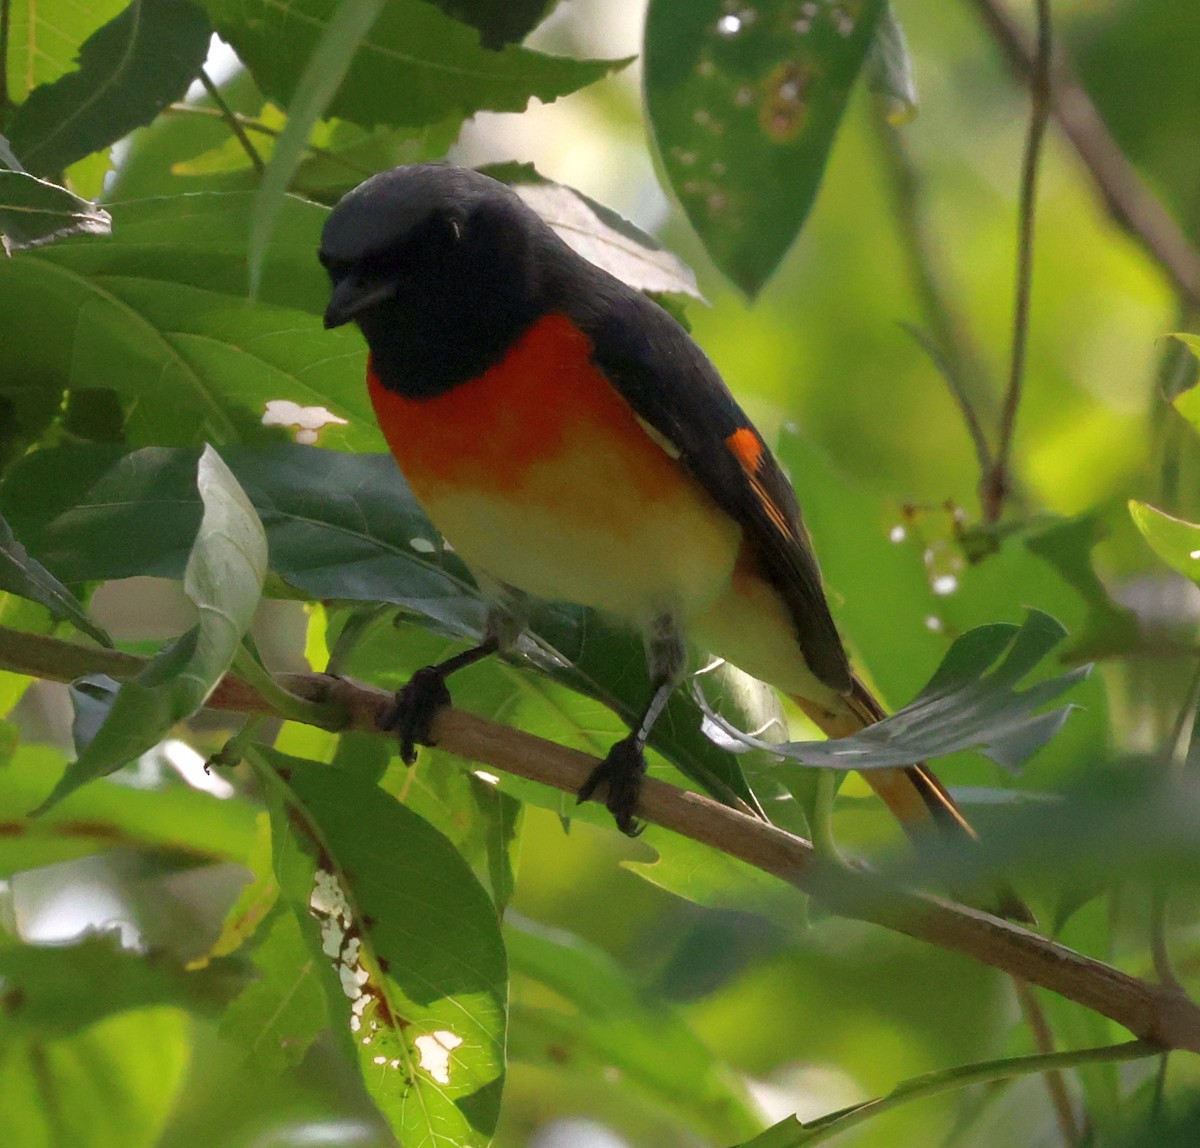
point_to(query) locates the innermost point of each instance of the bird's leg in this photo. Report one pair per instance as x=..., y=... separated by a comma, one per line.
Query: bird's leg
x=621, y=772
x=416, y=704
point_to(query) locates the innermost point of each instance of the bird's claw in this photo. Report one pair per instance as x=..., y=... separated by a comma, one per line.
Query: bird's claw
x=413, y=709
x=621, y=774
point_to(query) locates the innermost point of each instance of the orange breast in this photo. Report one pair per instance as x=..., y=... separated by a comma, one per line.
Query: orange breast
x=488, y=432
x=539, y=473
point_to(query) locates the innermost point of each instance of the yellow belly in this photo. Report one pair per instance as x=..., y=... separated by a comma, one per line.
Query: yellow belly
x=578, y=529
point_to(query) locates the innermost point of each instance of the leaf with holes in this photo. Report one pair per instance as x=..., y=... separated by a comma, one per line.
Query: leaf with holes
x=415, y=942
x=744, y=102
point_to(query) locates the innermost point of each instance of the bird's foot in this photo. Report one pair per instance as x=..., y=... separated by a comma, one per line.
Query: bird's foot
x=621, y=774
x=412, y=711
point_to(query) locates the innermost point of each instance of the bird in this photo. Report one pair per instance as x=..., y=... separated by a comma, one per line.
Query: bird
x=572, y=442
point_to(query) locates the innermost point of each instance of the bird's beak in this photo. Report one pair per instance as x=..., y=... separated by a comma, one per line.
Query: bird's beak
x=352, y=296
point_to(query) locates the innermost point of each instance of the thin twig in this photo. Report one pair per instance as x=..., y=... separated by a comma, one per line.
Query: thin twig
x=1131, y=204
x=233, y=120
x=250, y=124
x=1056, y=1083
x=1149, y=1011
x=951, y=346
x=996, y=481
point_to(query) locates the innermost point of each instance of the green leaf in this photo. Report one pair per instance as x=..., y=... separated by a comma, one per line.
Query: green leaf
x=158, y=313
x=113, y=1085
x=34, y=212
x=223, y=578
x=53, y=991
x=962, y=707
x=476, y=817
x=45, y=37
x=1175, y=541
x=1067, y=546
x=708, y=877
x=744, y=103
x=415, y=941
x=175, y=820
x=607, y=1023
x=22, y=574
x=499, y=22
x=1188, y=403
x=129, y=70
x=430, y=66
x=318, y=84
x=599, y=234
x=277, y=1017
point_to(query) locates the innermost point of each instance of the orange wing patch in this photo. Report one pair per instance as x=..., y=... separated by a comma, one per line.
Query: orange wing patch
x=747, y=448
x=745, y=445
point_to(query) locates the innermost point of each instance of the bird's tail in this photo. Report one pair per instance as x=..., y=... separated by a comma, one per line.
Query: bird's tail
x=914, y=795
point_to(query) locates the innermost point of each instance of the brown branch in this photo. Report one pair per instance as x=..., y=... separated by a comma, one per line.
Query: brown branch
x=1130, y=203
x=1151, y=1012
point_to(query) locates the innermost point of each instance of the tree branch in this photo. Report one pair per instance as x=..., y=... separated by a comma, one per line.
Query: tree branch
x=1130, y=203
x=1151, y=1012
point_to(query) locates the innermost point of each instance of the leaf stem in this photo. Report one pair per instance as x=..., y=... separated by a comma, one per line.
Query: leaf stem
x=797, y=1134
x=283, y=702
x=233, y=120
x=824, y=841
x=232, y=752
x=996, y=482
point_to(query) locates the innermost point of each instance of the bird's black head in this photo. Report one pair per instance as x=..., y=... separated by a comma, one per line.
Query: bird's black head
x=439, y=266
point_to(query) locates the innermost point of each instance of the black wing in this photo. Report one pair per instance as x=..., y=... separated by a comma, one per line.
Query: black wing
x=672, y=386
